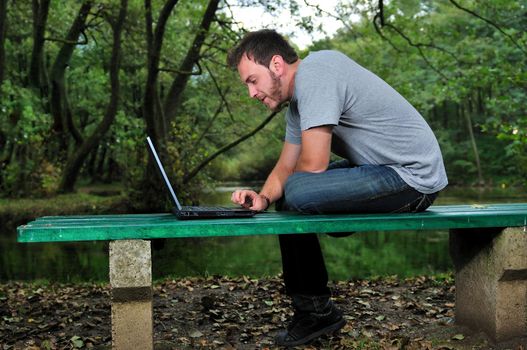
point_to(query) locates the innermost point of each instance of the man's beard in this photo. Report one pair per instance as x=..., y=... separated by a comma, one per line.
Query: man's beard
x=276, y=92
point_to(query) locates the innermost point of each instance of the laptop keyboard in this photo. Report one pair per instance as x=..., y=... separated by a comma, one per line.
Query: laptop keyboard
x=192, y=208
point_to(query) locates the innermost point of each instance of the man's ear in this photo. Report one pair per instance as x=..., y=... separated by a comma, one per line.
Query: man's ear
x=277, y=65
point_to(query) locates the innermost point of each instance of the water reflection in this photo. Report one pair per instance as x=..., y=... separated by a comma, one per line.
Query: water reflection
x=361, y=255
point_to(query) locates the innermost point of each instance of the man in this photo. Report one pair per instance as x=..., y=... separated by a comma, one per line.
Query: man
x=391, y=158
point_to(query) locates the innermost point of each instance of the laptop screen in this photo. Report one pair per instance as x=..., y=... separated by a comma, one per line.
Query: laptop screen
x=163, y=174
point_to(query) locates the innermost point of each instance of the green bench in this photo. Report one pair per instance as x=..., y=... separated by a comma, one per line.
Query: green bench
x=488, y=246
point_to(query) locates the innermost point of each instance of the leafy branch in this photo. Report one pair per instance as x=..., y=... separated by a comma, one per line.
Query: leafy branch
x=379, y=17
x=225, y=148
x=488, y=21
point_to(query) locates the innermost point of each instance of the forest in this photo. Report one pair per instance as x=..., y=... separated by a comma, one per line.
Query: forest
x=84, y=82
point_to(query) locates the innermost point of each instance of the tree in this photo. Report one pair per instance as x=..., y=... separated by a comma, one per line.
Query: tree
x=76, y=160
x=3, y=19
x=37, y=71
x=440, y=55
x=60, y=108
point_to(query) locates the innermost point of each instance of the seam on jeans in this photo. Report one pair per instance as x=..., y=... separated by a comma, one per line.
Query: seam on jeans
x=312, y=207
x=398, y=190
x=424, y=204
x=386, y=194
x=407, y=207
x=306, y=208
x=420, y=204
x=309, y=205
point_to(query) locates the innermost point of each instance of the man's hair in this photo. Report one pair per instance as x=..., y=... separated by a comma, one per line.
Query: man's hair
x=261, y=46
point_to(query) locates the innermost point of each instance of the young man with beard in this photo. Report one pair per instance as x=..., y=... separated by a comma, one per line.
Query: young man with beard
x=391, y=161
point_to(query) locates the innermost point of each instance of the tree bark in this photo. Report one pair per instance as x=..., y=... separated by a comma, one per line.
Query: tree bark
x=37, y=78
x=3, y=18
x=75, y=162
x=59, y=106
x=3, y=21
x=173, y=98
x=90, y=164
x=474, y=145
x=152, y=114
x=154, y=126
x=100, y=162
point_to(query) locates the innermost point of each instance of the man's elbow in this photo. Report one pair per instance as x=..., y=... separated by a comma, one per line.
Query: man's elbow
x=316, y=170
x=312, y=167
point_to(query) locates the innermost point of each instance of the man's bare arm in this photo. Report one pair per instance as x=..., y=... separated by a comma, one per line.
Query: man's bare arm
x=316, y=150
x=311, y=156
x=274, y=185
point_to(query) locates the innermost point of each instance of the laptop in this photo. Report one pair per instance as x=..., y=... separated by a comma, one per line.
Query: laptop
x=194, y=212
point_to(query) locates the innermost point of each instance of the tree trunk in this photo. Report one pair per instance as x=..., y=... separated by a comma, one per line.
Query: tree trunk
x=157, y=122
x=100, y=162
x=151, y=114
x=37, y=68
x=173, y=98
x=112, y=169
x=444, y=111
x=149, y=187
x=3, y=19
x=474, y=145
x=75, y=162
x=90, y=164
x=59, y=106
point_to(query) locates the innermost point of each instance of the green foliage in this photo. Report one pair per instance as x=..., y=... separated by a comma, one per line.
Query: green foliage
x=445, y=61
x=64, y=204
x=379, y=254
x=26, y=129
x=449, y=64
x=255, y=158
x=21, y=115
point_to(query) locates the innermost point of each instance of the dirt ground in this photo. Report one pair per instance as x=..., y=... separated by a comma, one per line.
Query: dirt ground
x=240, y=313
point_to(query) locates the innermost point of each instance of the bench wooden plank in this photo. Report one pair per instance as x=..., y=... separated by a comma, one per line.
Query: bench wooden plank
x=147, y=226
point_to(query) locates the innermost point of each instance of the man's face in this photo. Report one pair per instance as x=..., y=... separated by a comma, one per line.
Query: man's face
x=262, y=83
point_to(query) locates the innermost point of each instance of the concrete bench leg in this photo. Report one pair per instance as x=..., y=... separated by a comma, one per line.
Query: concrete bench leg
x=491, y=280
x=131, y=284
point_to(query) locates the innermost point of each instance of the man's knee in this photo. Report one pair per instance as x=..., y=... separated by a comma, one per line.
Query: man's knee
x=299, y=195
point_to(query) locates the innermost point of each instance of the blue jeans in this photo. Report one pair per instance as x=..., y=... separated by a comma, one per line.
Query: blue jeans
x=340, y=189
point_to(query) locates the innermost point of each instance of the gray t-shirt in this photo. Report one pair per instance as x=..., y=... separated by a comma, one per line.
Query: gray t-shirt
x=373, y=123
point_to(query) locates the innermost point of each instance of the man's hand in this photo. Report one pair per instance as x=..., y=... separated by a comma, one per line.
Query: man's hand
x=249, y=199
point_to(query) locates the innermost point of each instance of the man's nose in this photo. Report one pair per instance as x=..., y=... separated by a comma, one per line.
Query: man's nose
x=252, y=91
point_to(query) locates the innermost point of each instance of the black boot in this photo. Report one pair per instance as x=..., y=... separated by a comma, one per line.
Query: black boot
x=314, y=316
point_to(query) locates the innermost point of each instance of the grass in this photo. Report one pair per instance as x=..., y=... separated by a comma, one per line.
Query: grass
x=101, y=199
x=60, y=204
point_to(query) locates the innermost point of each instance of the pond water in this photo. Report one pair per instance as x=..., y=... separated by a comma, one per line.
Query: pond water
x=362, y=255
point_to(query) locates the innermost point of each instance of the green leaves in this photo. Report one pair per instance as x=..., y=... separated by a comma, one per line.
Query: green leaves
x=458, y=337
x=450, y=63
x=76, y=342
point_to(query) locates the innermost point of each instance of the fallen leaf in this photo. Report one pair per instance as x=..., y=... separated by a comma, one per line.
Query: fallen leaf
x=196, y=334
x=77, y=342
x=458, y=337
